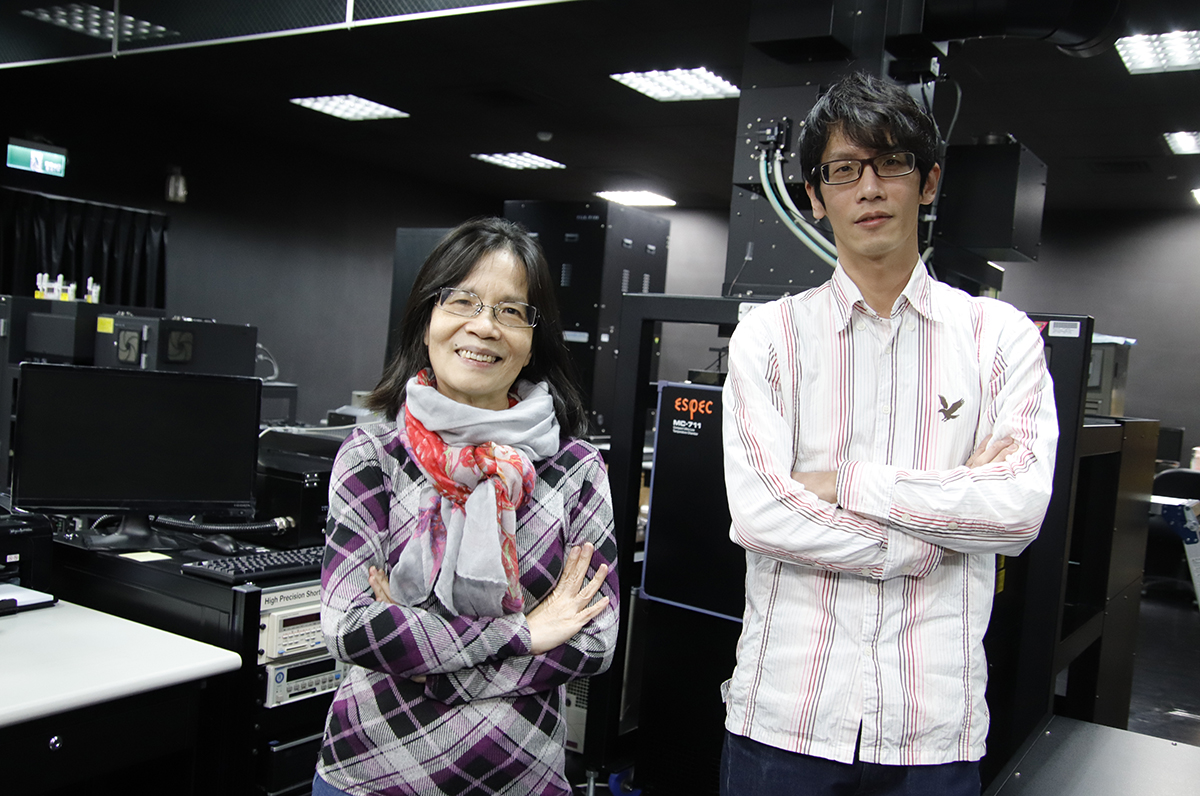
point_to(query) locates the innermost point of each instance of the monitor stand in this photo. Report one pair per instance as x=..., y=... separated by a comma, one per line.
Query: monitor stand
x=133, y=534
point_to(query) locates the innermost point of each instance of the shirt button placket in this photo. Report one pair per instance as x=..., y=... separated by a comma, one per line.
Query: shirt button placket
x=884, y=402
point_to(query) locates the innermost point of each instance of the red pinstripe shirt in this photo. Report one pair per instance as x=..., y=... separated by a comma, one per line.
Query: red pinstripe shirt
x=872, y=613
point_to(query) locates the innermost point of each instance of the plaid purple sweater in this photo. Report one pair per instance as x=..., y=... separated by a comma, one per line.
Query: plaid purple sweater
x=488, y=718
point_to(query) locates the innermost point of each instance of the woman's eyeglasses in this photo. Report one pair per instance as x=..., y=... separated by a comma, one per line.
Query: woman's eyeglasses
x=466, y=304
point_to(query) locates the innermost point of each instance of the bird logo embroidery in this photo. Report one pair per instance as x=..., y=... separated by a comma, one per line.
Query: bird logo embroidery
x=948, y=409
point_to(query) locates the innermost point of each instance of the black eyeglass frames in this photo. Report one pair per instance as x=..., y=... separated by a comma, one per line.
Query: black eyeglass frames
x=847, y=170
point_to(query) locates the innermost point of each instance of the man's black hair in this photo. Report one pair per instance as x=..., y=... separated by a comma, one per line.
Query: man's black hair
x=872, y=113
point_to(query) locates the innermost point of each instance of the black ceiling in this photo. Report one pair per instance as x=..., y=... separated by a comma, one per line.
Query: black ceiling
x=490, y=82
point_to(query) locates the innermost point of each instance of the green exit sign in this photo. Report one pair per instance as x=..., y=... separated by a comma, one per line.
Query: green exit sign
x=39, y=158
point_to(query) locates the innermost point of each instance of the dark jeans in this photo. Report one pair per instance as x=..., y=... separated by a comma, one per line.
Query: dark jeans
x=323, y=788
x=749, y=768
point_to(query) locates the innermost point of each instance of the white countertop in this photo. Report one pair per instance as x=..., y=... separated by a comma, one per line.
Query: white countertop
x=66, y=656
x=1077, y=758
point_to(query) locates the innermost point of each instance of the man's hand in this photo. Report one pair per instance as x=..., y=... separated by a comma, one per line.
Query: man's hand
x=821, y=484
x=993, y=453
x=565, y=611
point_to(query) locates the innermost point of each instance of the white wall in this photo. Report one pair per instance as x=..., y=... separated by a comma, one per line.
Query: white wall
x=695, y=267
x=1138, y=276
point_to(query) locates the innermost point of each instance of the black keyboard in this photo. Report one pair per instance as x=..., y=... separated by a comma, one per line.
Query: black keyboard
x=259, y=566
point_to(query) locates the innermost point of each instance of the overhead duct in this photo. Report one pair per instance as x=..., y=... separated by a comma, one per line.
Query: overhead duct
x=796, y=49
x=1079, y=27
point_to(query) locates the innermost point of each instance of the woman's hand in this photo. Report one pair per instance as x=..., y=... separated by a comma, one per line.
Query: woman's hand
x=565, y=611
x=379, y=585
x=383, y=594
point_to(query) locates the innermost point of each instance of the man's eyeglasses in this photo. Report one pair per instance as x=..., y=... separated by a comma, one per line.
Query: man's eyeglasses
x=893, y=164
x=466, y=304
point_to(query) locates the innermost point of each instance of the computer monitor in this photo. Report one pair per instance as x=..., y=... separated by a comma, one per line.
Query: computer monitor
x=93, y=441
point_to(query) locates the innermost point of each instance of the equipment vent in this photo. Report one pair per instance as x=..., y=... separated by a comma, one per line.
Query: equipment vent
x=564, y=279
x=625, y=281
x=645, y=283
x=579, y=690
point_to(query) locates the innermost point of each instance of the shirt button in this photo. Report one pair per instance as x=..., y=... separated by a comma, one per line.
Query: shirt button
x=906, y=519
x=910, y=326
x=885, y=409
x=861, y=326
x=874, y=590
x=952, y=525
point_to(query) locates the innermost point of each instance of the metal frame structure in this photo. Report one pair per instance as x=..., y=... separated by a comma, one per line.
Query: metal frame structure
x=607, y=747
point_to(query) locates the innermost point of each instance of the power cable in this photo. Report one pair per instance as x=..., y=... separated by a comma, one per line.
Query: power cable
x=786, y=219
x=786, y=198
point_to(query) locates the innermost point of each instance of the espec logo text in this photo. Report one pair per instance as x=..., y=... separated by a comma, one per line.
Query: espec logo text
x=693, y=407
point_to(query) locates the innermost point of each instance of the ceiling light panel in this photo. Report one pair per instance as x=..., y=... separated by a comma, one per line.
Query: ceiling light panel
x=519, y=160
x=1160, y=52
x=1183, y=143
x=636, y=198
x=1196, y=195
x=98, y=22
x=349, y=107
x=679, y=84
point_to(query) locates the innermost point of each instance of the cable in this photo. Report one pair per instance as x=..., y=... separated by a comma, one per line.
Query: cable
x=749, y=256
x=266, y=356
x=931, y=216
x=276, y=525
x=786, y=198
x=788, y=222
x=716, y=363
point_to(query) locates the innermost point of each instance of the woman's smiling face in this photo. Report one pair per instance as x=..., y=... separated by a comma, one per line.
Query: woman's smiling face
x=476, y=360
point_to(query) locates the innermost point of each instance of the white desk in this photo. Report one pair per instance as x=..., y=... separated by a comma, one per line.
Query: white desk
x=89, y=700
x=66, y=657
x=1075, y=758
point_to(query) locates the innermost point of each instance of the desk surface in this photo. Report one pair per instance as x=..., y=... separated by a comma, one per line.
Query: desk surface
x=66, y=656
x=1075, y=758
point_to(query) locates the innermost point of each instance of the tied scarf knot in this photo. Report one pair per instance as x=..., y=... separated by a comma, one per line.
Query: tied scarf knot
x=464, y=549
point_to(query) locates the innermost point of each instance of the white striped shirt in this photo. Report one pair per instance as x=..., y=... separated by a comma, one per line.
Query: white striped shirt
x=872, y=613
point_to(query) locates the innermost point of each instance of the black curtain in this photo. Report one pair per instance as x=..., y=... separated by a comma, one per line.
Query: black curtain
x=123, y=249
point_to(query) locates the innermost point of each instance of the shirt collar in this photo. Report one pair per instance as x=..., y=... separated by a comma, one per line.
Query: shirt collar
x=918, y=293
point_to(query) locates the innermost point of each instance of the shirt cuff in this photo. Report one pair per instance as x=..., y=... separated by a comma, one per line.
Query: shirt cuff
x=910, y=556
x=866, y=489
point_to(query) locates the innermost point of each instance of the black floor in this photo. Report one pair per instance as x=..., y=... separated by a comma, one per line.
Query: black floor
x=1166, y=674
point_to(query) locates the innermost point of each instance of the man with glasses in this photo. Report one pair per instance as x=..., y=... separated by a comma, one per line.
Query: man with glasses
x=885, y=437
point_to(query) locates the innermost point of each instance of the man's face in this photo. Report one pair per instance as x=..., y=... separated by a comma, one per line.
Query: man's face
x=874, y=220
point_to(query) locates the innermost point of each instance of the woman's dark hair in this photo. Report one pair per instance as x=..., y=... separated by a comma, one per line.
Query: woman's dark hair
x=872, y=113
x=448, y=265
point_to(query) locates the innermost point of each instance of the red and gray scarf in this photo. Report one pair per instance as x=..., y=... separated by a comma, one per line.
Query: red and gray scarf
x=479, y=463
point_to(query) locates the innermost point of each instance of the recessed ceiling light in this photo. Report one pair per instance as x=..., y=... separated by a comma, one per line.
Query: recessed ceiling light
x=519, y=160
x=679, y=84
x=636, y=198
x=1160, y=52
x=1183, y=143
x=98, y=23
x=349, y=107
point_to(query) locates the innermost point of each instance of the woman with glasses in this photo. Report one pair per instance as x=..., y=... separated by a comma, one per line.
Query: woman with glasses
x=469, y=563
